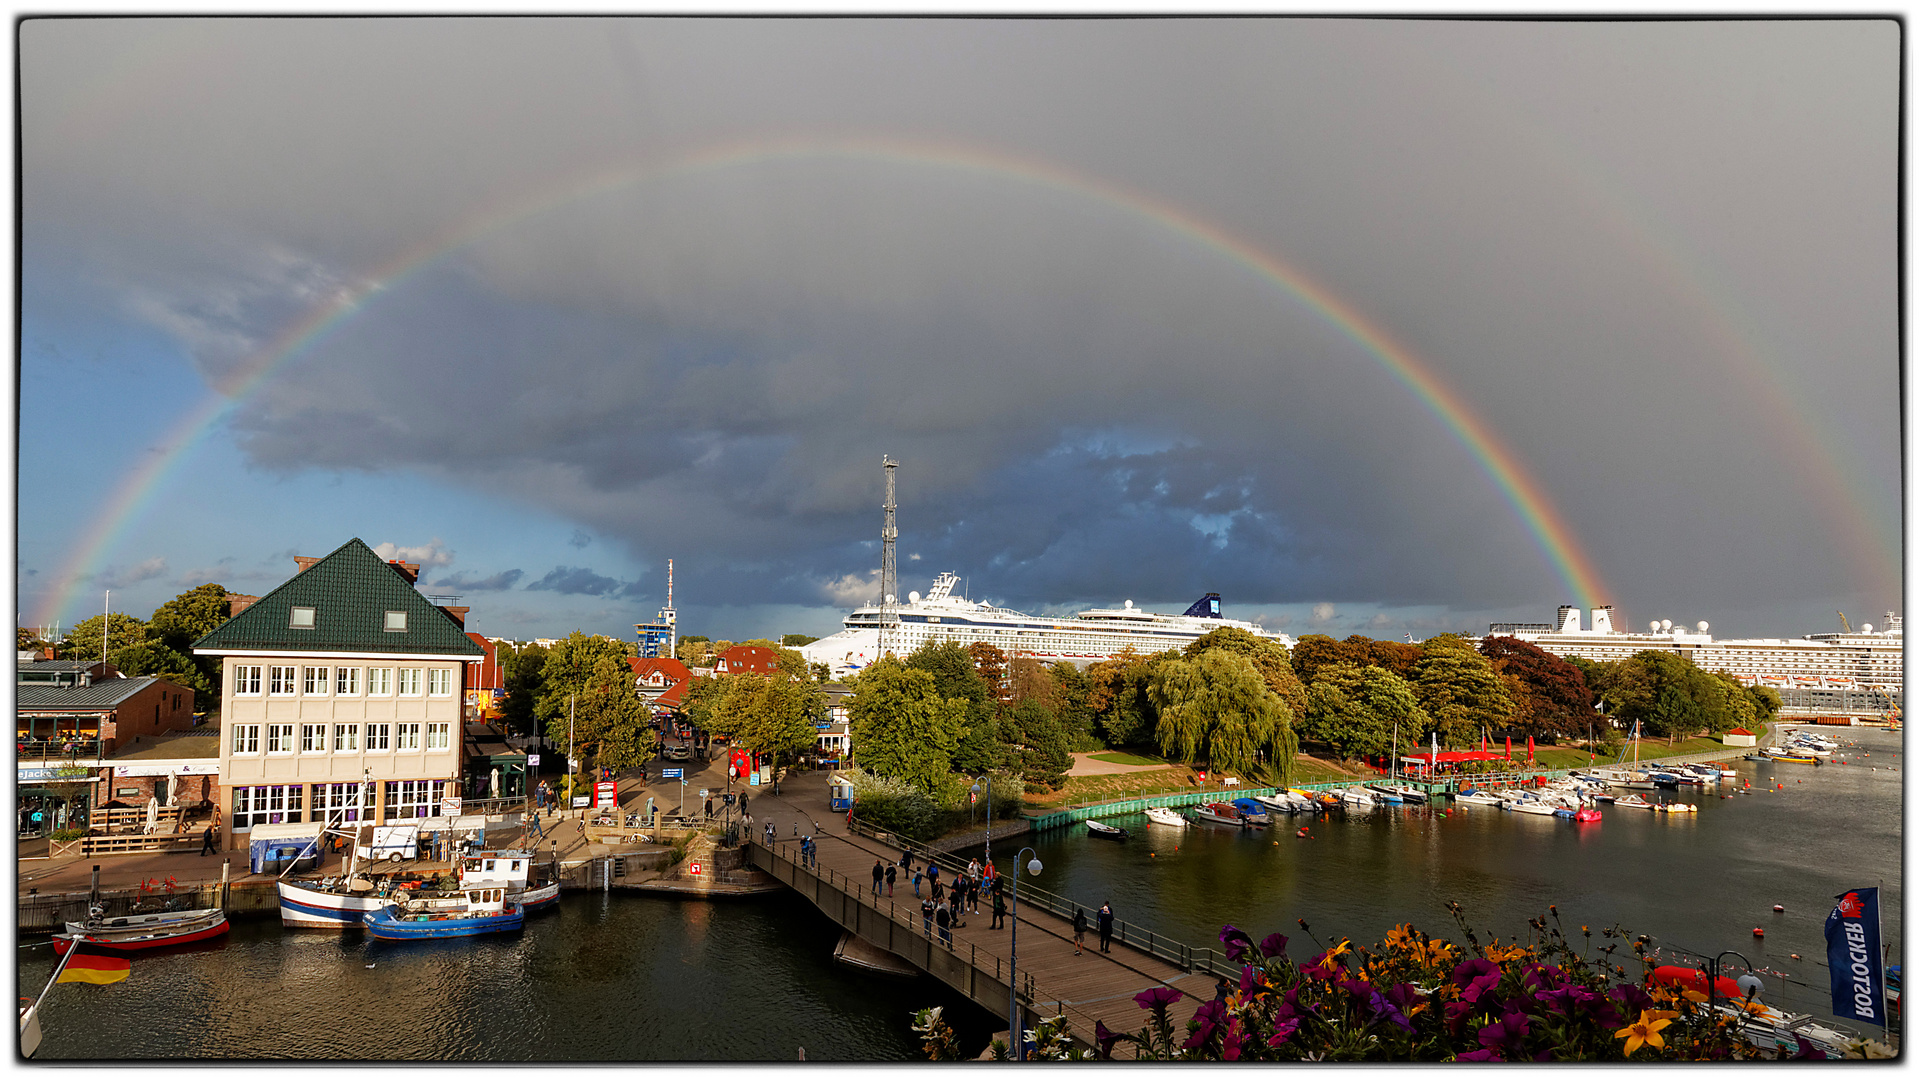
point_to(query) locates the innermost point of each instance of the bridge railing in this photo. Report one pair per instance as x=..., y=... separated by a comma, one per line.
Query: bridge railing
x=1032, y=996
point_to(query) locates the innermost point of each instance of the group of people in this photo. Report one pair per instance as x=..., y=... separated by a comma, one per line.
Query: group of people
x=1104, y=917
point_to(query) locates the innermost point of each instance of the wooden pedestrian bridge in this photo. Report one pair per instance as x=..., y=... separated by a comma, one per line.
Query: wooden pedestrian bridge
x=1052, y=980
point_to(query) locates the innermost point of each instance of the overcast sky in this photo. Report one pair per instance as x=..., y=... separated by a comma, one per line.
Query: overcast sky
x=545, y=303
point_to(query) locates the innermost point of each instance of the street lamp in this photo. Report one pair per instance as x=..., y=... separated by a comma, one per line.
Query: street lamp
x=1013, y=951
x=987, y=779
x=1750, y=983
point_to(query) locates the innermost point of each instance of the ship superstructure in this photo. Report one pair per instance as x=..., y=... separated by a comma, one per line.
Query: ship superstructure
x=1089, y=636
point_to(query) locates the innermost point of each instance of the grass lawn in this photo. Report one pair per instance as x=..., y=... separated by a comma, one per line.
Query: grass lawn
x=1091, y=789
x=1119, y=757
x=1553, y=757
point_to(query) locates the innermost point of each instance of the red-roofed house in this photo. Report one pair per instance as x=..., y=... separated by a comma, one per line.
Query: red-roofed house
x=1739, y=737
x=662, y=681
x=486, y=683
x=744, y=659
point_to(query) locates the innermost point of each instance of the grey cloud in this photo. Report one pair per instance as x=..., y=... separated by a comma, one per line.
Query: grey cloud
x=576, y=580
x=465, y=582
x=118, y=577
x=579, y=538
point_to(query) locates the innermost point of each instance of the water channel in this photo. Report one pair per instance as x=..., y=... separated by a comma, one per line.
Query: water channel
x=643, y=978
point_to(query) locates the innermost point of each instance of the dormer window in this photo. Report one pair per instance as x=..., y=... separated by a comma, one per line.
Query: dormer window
x=396, y=622
x=300, y=618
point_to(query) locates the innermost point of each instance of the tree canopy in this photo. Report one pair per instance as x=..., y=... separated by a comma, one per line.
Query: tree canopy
x=569, y=664
x=1355, y=709
x=1550, y=695
x=1217, y=706
x=1459, y=690
x=901, y=726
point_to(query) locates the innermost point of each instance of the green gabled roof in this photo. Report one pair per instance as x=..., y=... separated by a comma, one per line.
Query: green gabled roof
x=350, y=591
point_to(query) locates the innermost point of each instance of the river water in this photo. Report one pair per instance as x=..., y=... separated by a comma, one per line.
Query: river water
x=644, y=978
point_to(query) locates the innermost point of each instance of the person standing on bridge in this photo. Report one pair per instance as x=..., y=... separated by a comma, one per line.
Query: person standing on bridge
x=944, y=920
x=892, y=871
x=1106, y=927
x=1079, y=932
x=999, y=910
x=926, y=914
x=879, y=875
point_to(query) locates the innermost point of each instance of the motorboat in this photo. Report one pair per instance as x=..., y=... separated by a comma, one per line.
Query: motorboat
x=1285, y=802
x=344, y=901
x=1771, y=1029
x=1381, y=793
x=1164, y=815
x=1321, y=800
x=513, y=870
x=1102, y=831
x=1252, y=810
x=1220, y=813
x=1398, y=792
x=1789, y=757
x=1532, y=806
x=470, y=913
x=1357, y=796
x=134, y=933
x=1635, y=801
x=1475, y=795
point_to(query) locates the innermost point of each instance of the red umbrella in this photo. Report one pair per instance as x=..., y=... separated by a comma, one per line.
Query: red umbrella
x=1529, y=748
x=1509, y=748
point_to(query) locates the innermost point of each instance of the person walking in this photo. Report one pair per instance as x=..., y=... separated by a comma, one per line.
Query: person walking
x=999, y=911
x=1079, y=931
x=206, y=841
x=1106, y=927
x=709, y=808
x=933, y=873
x=772, y=834
x=891, y=872
x=944, y=920
x=917, y=877
x=743, y=802
x=538, y=829
x=879, y=875
x=926, y=915
x=939, y=893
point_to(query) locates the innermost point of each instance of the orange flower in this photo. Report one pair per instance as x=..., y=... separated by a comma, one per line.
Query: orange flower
x=1645, y=1031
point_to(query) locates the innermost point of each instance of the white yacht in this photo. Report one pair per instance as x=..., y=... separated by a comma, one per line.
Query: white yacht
x=1092, y=635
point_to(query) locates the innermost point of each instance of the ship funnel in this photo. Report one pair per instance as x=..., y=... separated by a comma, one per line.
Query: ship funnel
x=1603, y=619
x=1569, y=621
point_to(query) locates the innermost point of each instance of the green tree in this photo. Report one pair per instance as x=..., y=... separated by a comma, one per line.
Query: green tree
x=156, y=659
x=1314, y=651
x=569, y=664
x=192, y=615
x=1766, y=703
x=901, y=726
x=771, y=714
x=794, y=641
x=1071, y=690
x=694, y=650
x=956, y=676
x=1117, y=694
x=610, y=717
x=1269, y=658
x=524, y=671
x=1218, y=706
x=83, y=641
x=1040, y=744
x=1355, y=710
x=1459, y=690
x=1550, y=695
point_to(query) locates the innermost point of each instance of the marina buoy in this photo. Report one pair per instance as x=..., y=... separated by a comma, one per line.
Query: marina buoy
x=1795, y=955
x=1757, y=932
x=1153, y=854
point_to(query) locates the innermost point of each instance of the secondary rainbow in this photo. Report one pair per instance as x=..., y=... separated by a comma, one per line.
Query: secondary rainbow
x=1522, y=492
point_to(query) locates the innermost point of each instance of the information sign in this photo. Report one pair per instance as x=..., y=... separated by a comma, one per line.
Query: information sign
x=693, y=868
x=605, y=793
x=672, y=774
x=533, y=760
x=582, y=801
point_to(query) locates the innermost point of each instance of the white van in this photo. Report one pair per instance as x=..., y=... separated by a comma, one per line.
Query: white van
x=392, y=843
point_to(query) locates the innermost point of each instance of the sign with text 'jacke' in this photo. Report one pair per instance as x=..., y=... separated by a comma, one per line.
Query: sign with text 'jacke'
x=1853, y=957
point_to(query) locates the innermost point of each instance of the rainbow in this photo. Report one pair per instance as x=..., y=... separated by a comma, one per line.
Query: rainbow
x=1521, y=491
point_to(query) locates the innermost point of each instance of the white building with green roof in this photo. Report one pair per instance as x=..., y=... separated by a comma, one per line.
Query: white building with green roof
x=343, y=674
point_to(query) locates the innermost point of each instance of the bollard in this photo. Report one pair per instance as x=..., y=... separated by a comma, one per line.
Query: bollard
x=93, y=890
x=226, y=865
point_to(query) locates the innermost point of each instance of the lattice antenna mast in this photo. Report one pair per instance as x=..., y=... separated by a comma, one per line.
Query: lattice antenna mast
x=889, y=571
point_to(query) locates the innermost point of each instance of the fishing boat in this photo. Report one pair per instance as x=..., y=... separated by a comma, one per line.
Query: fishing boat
x=133, y=933
x=1220, y=813
x=1163, y=815
x=1100, y=830
x=515, y=871
x=467, y=914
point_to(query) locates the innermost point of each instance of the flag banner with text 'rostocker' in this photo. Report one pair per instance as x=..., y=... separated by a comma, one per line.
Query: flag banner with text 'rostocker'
x=1853, y=957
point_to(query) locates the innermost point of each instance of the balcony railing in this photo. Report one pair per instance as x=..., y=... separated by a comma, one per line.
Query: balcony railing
x=58, y=749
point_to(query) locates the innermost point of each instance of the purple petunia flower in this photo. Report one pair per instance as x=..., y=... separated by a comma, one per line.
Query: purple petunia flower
x=1273, y=945
x=1479, y=1055
x=1282, y=1031
x=1209, y=1016
x=1248, y=979
x=1104, y=1039
x=1509, y=1033
x=1472, y=968
x=1237, y=943
x=1157, y=999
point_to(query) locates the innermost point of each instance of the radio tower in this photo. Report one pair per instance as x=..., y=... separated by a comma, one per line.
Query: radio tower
x=889, y=572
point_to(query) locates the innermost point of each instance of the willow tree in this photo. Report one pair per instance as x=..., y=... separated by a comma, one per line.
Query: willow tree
x=901, y=726
x=1269, y=657
x=1218, y=706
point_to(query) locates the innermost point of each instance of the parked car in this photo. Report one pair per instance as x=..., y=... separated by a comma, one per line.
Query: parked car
x=677, y=752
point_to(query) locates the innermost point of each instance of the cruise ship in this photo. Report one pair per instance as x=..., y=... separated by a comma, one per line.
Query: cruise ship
x=1865, y=663
x=1092, y=635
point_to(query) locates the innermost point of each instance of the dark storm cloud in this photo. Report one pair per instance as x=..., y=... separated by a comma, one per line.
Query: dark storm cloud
x=465, y=582
x=1086, y=400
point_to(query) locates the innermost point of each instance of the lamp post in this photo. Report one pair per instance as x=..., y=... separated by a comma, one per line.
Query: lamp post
x=987, y=779
x=1749, y=982
x=1019, y=1046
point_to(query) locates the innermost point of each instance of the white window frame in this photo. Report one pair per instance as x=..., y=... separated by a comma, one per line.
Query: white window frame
x=313, y=738
x=246, y=680
x=317, y=681
x=346, y=682
x=280, y=738
x=408, y=682
x=420, y=796
x=379, y=682
x=406, y=735
x=439, y=682
x=439, y=736
x=392, y=618
x=266, y=804
x=294, y=621
x=329, y=798
x=346, y=738
x=245, y=740
x=381, y=734
x=283, y=680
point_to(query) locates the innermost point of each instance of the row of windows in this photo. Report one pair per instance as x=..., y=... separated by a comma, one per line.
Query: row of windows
x=345, y=738
x=284, y=804
x=288, y=680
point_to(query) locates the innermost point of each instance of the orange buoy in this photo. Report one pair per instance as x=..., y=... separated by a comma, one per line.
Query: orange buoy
x=1757, y=932
x=1153, y=854
x=1795, y=955
x=1778, y=907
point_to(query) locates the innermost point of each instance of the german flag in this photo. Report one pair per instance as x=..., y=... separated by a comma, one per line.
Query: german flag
x=89, y=963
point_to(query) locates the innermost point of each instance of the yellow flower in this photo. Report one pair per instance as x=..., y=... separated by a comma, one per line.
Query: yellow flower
x=1400, y=936
x=1646, y=1031
x=1694, y=996
x=1753, y=1006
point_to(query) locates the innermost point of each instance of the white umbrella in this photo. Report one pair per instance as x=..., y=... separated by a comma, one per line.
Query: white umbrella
x=496, y=782
x=153, y=813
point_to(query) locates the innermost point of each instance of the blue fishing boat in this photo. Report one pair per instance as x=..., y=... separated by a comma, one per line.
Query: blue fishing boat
x=466, y=914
